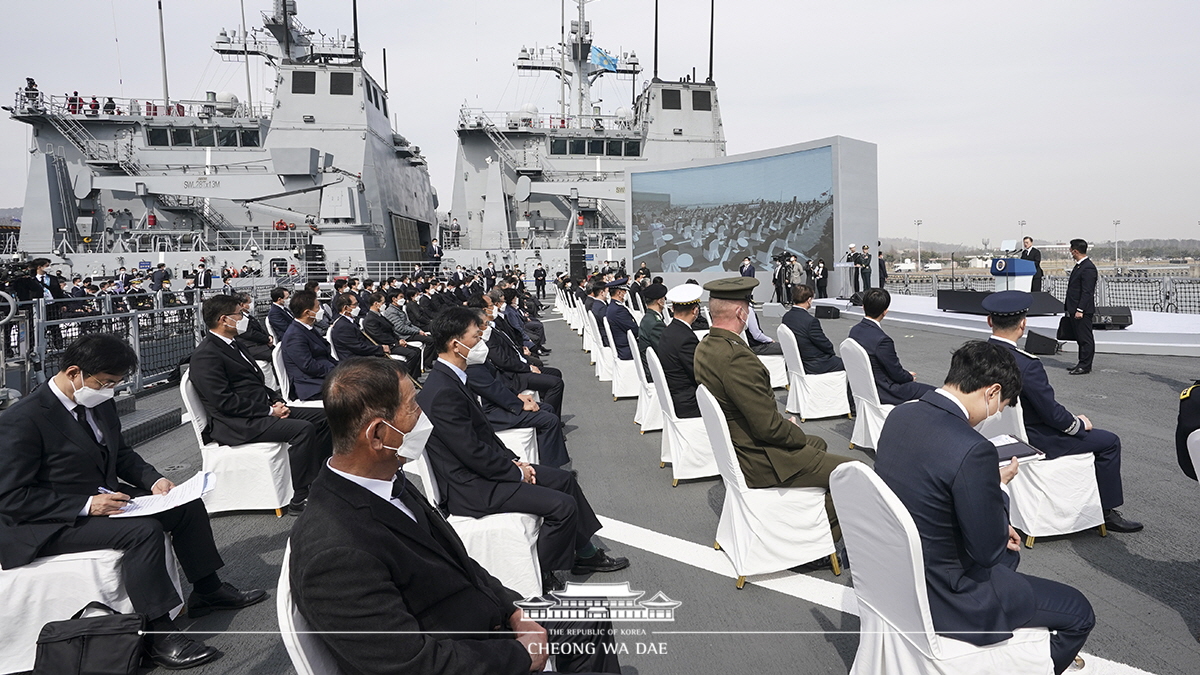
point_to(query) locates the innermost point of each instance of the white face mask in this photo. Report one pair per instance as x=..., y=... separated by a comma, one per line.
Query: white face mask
x=242, y=324
x=90, y=398
x=988, y=414
x=414, y=441
x=487, y=333
x=355, y=311
x=476, y=355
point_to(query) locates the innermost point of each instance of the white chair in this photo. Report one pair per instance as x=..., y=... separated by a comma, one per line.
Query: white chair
x=624, y=380
x=811, y=396
x=309, y=654
x=268, y=374
x=55, y=587
x=685, y=441
x=505, y=544
x=1193, y=447
x=763, y=530
x=250, y=477
x=870, y=414
x=896, y=629
x=777, y=368
x=329, y=339
x=523, y=442
x=649, y=411
x=285, y=382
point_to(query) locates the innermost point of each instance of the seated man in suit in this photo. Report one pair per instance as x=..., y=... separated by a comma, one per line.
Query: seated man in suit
x=948, y=477
x=278, y=316
x=348, y=339
x=651, y=327
x=772, y=450
x=380, y=331
x=620, y=320
x=518, y=366
x=479, y=476
x=676, y=349
x=599, y=308
x=760, y=343
x=816, y=351
x=370, y=554
x=255, y=341
x=306, y=355
x=1051, y=427
x=895, y=384
x=531, y=329
x=62, y=441
x=396, y=311
x=242, y=409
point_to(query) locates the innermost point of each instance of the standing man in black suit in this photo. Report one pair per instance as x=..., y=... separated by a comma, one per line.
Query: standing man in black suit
x=123, y=278
x=158, y=276
x=895, y=384
x=306, y=356
x=203, y=277
x=1028, y=252
x=242, y=409
x=676, y=349
x=539, y=280
x=1080, y=305
x=816, y=351
x=883, y=273
x=747, y=268
x=371, y=554
x=278, y=315
x=62, y=459
x=479, y=476
x=948, y=477
x=435, y=254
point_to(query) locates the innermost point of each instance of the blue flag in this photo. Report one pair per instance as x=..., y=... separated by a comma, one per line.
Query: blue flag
x=600, y=58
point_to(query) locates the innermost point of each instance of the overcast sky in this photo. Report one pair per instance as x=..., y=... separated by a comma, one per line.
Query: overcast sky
x=1067, y=114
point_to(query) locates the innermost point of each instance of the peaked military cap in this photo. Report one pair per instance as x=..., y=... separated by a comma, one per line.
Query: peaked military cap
x=732, y=288
x=1007, y=303
x=654, y=292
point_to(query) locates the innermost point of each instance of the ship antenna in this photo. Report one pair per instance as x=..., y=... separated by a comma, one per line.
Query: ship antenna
x=246, y=55
x=162, y=46
x=712, y=29
x=385, y=87
x=357, y=56
x=656, y=40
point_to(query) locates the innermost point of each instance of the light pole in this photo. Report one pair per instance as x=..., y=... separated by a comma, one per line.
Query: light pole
x=1022, y=224
x=1117, y=242
x=918, y=224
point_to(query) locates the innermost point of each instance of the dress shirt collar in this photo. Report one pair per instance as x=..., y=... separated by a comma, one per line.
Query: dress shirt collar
x=874, y=322
x=1004, y=340
x=1081, y=260
x=957, y=402
x=462, y=374
x=308, y=326
x=222, y=338
x=62, y=397
x=379, y=488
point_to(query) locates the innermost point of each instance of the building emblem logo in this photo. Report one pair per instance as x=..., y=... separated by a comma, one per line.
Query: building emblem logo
x=612, y=602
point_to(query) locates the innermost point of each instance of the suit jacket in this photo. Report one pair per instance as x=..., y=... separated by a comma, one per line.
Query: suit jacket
x=232, y=390
x=539, y=274
x=49, y=467
x=204, y=278
x=1036, y=256
x=379, y=329
x=473, y=467
x=280, y=319
x=507, y=358
x=513, y=317
x=599, y=310
x=307, y=360
x=770, y=449
x=621, y=320
x=649, y=331
x=1081, y=289
x=1044, y=415
x=359, y=563
x=890, y=375
x=31, y=288
x=255, y=341
x=485, y=381
x=816, y=351
x=349, y=341
x=747, y=270
x=401, y=322
x=157, y=277
x=948, y=477
x=676, y=351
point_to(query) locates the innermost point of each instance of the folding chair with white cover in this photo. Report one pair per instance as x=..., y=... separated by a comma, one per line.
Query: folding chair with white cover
x=601, y=356
x=268, y=372
x=285, y=383
x=249, y=477
x=649, y=411
x=777, y=368
x=504, y=544
x=589, y=340
x=869, y=414
x=624, y=374
x=1193, y=447
x=522, y=441
x=685, y=442
x=896, y=629
x=53, y=588
x=763, y=530
x=811, y=396
x=332, y=349
x=308, y=652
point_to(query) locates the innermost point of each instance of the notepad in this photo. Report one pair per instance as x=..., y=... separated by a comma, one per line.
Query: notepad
x=1009, y=446
x=189, y=491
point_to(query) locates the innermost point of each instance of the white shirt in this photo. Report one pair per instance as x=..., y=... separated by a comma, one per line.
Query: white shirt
x=462, y=374
x=997, y=337
x=957, y=402
x=379, y=488
x=873, y=321
x=70, y=406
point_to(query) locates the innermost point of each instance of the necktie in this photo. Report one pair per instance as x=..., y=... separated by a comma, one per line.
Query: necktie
x=81, y=417
x=413, y=505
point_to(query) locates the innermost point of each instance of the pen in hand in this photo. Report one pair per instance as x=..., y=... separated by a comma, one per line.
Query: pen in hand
x=106, y=491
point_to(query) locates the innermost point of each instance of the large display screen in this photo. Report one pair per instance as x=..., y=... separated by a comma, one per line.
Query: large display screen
x=708, y=218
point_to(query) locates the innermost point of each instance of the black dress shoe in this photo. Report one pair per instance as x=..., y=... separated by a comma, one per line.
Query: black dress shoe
x=176, y=651
x=1079, y=370
x=296, y=508
x=545, y=350
x=600, y=562
x=551, y=582
x=225, y=597
x=1116, y=523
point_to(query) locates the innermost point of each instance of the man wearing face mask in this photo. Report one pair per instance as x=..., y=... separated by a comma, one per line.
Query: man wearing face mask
x=306, y=355
x=1051, y=427
x=479, y=476
x=348, y=339
x=379, y=330
x=520, y=369
x=949, y=479
x=65, y=467
x=242, y=409
x=278, y=316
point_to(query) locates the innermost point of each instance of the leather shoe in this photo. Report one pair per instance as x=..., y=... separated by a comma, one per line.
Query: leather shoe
x=545, y=350
x=551, y=582
x=176, y=651
x=296, y=508
x=225, y=597
x=1079, y=370
x=600, y=562
x=1116, y=523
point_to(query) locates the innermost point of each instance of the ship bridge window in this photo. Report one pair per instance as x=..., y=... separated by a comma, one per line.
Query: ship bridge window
x=227, y=138
x=383, y=100
x=671, y=99
x=614, y=148
x=558, y=146
x=596, y=146
x=341, y=84
x=578, y=146
x=633, y=148
x=206, y=138
x=701, y=100
x=181, y=137
x=157, y=137
x=304, y=82
x=249, y=138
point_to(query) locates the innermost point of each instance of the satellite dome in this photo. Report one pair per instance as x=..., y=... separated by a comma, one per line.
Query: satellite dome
x=227, y=102
x=624, y=114
x=530, y=108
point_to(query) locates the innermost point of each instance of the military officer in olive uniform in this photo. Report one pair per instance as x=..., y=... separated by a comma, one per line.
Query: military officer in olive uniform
x=772, y=450
x=651, y=327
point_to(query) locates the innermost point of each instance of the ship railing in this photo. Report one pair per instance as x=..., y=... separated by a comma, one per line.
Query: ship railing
x=381, y=270
x=72, y=106
x=515, y=120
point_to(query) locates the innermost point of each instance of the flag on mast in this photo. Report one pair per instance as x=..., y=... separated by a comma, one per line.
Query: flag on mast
x=600, y=58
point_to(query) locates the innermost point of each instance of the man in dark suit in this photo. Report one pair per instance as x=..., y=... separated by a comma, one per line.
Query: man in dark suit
x=676, y=349
x=1080, y=305
x=254, y=341
x=203, y=277
x=883, y=273
x=747, y=268
x=435, y=254
x=1028, y=252
x=158, y=276
x=948, y=477
x=123, y=278
x=278, y=315
x=62, y=461
x=895, y=384
x=620, y=320
x=348, y=339
x=1051, y=428
x=599, y=308
x=816, y=351
x=539, y=280
x=306, y=355
x=371, y=554
x=377, y=327
x=489, y=276
x=519, y=368
x=479, y=476
x=240, y=406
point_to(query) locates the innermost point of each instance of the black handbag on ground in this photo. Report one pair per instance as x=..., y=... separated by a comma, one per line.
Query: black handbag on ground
x=99, y=645
x=1066, y=329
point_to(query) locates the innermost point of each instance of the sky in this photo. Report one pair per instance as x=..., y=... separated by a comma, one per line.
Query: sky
x=1067, y=114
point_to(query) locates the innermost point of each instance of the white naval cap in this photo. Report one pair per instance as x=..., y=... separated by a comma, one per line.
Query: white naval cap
x=685, y=294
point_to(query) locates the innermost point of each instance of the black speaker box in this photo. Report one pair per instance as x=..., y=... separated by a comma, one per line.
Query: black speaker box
x=578, y=261
x=856, y=299
x=826, y=312
x=1040, y=344
x=1107, y=318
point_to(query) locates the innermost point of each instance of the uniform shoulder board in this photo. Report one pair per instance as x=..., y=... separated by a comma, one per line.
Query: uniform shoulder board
x=1187, y=393
x=1027, y=354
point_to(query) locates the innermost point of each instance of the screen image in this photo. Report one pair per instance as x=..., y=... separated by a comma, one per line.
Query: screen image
x=708, y=218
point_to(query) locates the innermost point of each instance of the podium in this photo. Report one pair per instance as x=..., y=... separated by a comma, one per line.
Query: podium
x=1013, y=274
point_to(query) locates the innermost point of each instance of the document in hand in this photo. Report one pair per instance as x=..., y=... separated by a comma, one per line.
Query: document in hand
x=1010, y=446
x=190, y=490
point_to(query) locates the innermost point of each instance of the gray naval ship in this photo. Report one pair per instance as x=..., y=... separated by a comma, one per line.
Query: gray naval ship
x=315, y=181
x=530, y=183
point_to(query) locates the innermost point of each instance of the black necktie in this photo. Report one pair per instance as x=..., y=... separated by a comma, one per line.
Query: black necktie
x=81, y=417
x=409, y=501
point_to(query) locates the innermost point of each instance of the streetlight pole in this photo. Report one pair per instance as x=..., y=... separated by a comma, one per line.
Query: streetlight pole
x=1022, y=224
x=1117, y=242
x=918, y=224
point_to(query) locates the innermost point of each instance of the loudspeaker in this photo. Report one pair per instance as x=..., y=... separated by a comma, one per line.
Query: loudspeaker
x=1040, y=344
x=578, y=261
x=856, y=299
x=826, y=312
x=1107, y=318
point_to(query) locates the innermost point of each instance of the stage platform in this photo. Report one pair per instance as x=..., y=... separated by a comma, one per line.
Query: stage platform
x=1151, y=332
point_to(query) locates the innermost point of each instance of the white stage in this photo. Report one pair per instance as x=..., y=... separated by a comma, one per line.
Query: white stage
x=1151, y=332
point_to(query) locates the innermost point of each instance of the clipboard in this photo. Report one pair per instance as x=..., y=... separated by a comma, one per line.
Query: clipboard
x=1009, y=446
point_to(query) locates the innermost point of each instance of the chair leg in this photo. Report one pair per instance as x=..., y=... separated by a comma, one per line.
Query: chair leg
x=833, y=562
x=1028, y=541
x=278, y=513
x=717, y=545
x=1103, y=530
x=851, y=446
x=675, y=483
x=802, y=420
x=741, y=583
x=850, y=416
x=661, y=464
